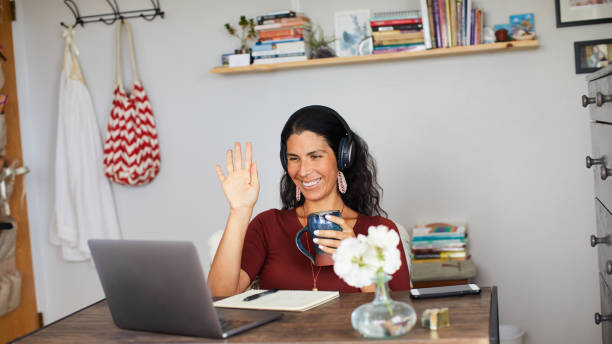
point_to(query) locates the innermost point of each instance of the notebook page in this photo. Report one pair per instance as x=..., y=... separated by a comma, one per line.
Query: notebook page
x=282, y=300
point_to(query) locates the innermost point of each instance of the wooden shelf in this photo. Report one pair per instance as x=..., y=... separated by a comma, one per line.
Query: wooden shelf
x=471, y=49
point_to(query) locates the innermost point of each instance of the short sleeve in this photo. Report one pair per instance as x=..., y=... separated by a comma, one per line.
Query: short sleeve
x=401, y=278
x=254, y=247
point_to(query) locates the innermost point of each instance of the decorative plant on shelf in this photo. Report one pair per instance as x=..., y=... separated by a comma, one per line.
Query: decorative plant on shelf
x=246, y=34
x=319, y=45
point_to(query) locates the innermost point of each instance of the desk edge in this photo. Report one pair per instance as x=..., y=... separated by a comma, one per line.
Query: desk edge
x=494, y=316
x=56, y=321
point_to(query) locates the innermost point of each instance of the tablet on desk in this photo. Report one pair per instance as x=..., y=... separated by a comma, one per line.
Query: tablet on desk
x=451, y=290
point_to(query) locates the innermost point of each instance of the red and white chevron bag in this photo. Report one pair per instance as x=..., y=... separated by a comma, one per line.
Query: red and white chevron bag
x=131, y=150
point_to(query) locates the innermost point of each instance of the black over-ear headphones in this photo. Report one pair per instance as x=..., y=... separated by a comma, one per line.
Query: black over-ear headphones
x=346, y=153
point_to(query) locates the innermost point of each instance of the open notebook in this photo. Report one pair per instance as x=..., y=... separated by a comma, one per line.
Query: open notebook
x=282, y=300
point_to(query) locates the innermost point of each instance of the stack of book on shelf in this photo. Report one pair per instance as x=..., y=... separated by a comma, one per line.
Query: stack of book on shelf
x=397, y=31
x=451, y=23
x=438, y=243
x=281, y=38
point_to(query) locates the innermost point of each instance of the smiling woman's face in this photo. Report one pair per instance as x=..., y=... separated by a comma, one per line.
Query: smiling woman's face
x=311, y=164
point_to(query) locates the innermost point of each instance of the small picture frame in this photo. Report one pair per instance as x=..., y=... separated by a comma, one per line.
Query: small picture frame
x=582, y=12
x=351, y=29
x=592, y=55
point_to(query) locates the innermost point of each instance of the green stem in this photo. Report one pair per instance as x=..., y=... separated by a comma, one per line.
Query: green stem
x=380, y=282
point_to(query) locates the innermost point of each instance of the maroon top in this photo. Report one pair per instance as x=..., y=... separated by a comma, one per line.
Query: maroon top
x=270, y=252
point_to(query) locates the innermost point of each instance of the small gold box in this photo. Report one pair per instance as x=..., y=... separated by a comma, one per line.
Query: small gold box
x=435, y=318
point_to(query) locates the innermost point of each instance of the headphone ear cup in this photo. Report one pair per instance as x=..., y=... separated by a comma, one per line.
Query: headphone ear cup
x=345, y=153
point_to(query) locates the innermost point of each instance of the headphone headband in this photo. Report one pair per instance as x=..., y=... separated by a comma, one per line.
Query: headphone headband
x=345, y=148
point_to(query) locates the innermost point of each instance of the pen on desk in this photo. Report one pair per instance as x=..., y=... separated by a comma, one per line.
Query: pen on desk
x=256, y=296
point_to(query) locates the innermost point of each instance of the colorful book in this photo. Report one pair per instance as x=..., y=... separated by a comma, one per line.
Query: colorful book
x=453, y=243
x=387, y=35
x=440, y=255
x=425, y=18
x=396, y=22
x=437, y=250
x=267, y=56
x=400, y=14
x=438, y=230
x=278, y=48
x=275, y=15
x=393, y=42
x=438, y=260
x=437, y=25
x=404, y=48
x=281, y=25
x=416, y=27
x=285, y=20
x=280, y=60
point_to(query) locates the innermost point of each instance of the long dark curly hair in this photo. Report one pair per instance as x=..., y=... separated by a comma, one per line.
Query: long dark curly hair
x=363, y=193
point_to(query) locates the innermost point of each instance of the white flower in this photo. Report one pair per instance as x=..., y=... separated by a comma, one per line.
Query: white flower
x=358, y=259
x=349, y=263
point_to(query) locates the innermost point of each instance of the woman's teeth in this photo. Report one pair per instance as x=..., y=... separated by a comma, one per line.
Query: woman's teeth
x=308, y=184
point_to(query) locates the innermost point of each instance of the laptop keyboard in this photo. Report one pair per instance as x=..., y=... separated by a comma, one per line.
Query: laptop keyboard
x=230, y=324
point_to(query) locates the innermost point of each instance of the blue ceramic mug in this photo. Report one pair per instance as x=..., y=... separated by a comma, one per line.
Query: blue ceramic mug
x=317, y=221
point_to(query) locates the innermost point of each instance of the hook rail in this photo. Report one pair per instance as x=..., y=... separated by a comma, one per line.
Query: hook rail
x=110, y=18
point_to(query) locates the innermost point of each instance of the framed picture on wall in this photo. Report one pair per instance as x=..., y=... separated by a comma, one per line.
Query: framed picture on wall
x=351, y=28
x=583, y=12
x=592, y=55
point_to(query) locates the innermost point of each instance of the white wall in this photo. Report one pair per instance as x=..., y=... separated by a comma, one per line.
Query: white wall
x=497, y=139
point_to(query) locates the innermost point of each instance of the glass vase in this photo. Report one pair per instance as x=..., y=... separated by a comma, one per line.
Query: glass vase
x=383, y=317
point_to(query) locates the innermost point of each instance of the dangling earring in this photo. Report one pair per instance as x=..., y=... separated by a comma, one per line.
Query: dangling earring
x=341, y=183
x=298, y=194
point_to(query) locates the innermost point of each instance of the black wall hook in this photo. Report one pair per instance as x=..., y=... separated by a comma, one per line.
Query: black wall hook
x=111, y=18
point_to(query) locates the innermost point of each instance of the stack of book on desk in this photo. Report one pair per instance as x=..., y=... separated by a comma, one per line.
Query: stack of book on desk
x=397, y=31
x=281, y=38
x=438, y=243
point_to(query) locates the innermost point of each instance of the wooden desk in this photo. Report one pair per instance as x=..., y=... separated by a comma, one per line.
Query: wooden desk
x=473, y=320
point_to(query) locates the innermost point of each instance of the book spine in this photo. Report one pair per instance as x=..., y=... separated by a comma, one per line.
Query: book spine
x=440, y=255
x=280, y=60
x=285, y=20
x=415, y=27
x=436, y=15
x=277, y=41
x=425, y=18
x=280, y=25
x=269, y=16
x=267, y=56
x=281, y=39
x=396, y=22
x=472, y=27
x=397, y=35
x=468, y=23
x=396, y=14
x=293, y=32
x=438, y=260
x=459, y=22
x=435, y=238
x=432, y=26
x=449, y=26
x=395, y=42
x=453, y=8
x=443, y=23
x=398, y=49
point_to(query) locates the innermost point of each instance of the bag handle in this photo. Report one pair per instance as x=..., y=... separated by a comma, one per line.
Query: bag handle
x=71, y=52
x=118, y=54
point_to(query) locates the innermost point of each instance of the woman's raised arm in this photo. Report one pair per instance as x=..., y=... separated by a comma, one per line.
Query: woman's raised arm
x=241, y=188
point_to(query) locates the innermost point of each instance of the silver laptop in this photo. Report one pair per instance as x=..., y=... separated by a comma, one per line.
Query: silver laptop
x=159, y=286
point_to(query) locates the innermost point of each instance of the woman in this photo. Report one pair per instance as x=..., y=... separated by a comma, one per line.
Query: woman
x=327, y=167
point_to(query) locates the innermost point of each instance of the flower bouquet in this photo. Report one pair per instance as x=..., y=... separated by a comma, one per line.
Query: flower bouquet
x=365, y=260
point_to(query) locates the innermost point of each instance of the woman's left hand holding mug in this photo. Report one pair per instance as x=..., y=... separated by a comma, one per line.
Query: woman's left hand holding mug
x=327, y=244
